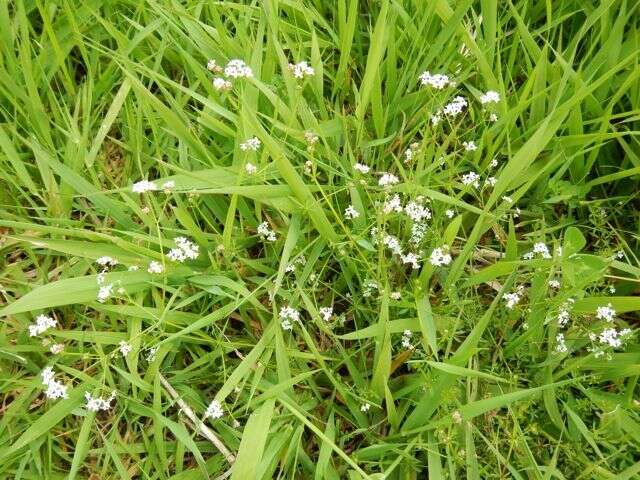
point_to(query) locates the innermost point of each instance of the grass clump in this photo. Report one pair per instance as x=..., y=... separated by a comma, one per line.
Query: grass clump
x=319, y=240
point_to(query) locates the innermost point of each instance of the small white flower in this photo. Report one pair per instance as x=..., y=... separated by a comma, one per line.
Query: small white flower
x=133, y=268
x=436, y=80
x=143, y=186
x=440, y=256
x=455, y=107
x=494, y=163
x=43, y=323
x=507, y=199
x=104, y=292
x=185, y=250
x=369, y=287
x=561, y=346
x=471, y=178
x=55, y=389
x=490, y=97
x=155, y=267
x=395, y=295
x=362, y=168
x=214, y=410
x=351, y=213
x=406, y=339
x=151, y=354
x=212, y=66
x=554, y=284
x=238, y=69
x=266, y=233
x=606, y=313
x=125, y=348
x=393, y=204
x=251, y=144
x=365, y=407
x=563, y=317
x=286, y=324
x=96, y=404
x=412, y=259
x=470, y=146
x=311, y=138
x=435, y=119
x=301, y=70
x=326, y=313
x=513, y=298
x=222, y=85
x=388, y=179
x=417, y=212
x=57, y=348
x=250, y=168
x=493, y=117
x=106, y=261
x=449, y=213
x=456, y=416
x=541, y=249
x=490, y=181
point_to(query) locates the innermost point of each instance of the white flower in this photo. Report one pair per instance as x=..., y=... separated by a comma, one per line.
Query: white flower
x=470, y=146
x=440, y=256
x=96, y=404
x=252, y=144
x=212, y=66
x=613, y=337
x=456, y=416
x=494, y=163
x=106, y=261
x=493, y=117
x=287, y=315
x=301, y=70
x=125, y=348
x=437, y=80
x=605, y=313
x=364, y=169
x=301, y=260
x=507, y=199
x=435, y=119
x=542, y=249
x=222, y=85
x=238, y=69
x=365, y=407
x=388, y=179
x=311, y=138
x=490, y=97
x=326, y=313
x=57, y=348
x=155, y=267
x=491, y=181
x=143, y=186
x=393, y=244
x=392, y=204
x=471, y=178
x=554, y=284
x=417, y=212
x=43, y=323
x=185, y=250
x=395, y=295
x=151, y=353
x=455, y=107
x=449, y=213
x=214, y=410
x=104, y=292
x=418, y=231
x=412, y=259
x=351, y=213
x=250, y=168
x=563, y=317
x=406, y=339
x=561, y=346
x=266, y=233
x=513, y=298
x=55, y=389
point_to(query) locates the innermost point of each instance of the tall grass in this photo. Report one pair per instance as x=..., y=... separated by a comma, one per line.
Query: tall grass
x=332, y=352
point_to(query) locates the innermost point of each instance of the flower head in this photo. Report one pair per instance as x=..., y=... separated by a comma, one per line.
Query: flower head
x=301, y=70
x=238, y=69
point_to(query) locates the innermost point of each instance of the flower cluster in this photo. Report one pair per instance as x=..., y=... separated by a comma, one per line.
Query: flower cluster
x=436, y=80
x=184, y=250
x=214, y=410
x=301, y=70
x=513, y=298
x=440, y=256
x=287, y=315
x=55, y=389
x=266, y=233
x=43, y=323
x=326, y=313
x=97, y=404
